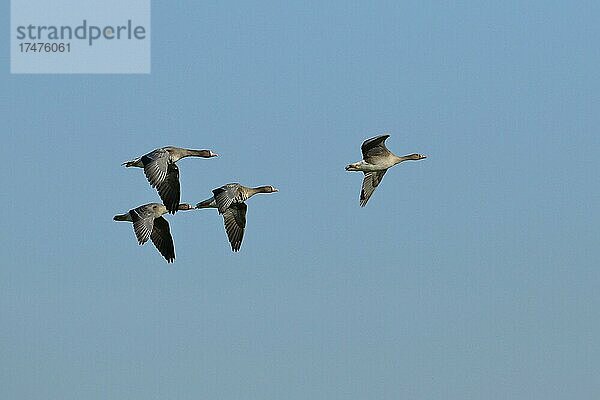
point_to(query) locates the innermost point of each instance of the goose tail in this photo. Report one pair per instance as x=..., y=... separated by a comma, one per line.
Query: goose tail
x=134, y=163
x=122, y=217
x=208, y=203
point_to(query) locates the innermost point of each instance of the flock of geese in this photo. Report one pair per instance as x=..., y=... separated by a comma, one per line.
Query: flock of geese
x=162, y=173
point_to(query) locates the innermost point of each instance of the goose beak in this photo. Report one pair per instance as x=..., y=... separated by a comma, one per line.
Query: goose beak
x=275, y=190
x=212, y=154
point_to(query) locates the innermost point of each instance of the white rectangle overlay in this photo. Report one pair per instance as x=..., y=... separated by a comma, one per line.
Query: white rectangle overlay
x=80, y=36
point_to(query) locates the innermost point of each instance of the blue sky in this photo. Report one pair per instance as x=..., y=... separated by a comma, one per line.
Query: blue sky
x=471, y=274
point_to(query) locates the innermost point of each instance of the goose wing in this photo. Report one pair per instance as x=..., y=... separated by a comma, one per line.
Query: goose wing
x=235, y=223
x=169, y=189
x=143, y=221
x=370, y=182
x=226, y=195
x=156, y=166
x=374, y=147
x=162, y=239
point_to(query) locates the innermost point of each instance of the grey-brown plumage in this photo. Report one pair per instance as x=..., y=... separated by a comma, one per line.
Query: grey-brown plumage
x=230, y=201
x=377, y=159
x=369, y=184
x=234, y=219
x=162, y=172
x=148, y=223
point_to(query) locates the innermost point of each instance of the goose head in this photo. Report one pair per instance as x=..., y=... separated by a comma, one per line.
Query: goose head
x=269, y=189
x=158, y=209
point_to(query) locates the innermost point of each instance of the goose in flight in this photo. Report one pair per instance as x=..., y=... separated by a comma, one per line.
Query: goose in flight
x=162, y=172
x=148, y=223
x=230, y=201
x=377, y=159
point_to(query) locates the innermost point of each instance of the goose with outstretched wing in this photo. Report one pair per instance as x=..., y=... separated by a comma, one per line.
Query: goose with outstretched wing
x=230, y=200
x=148, y=223
x=377, y=159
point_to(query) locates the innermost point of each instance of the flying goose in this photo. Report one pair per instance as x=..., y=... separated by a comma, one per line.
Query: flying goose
x=148, y=223
x=375, y=163
x=162, y=172
x=230, y=201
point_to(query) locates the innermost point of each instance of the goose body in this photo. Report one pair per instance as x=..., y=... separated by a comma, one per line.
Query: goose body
x=229, y=200
x=377, y=159
x=148, y=223
x=162, y=172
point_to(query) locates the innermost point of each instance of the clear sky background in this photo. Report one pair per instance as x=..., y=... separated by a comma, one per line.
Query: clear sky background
x=472, y=274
